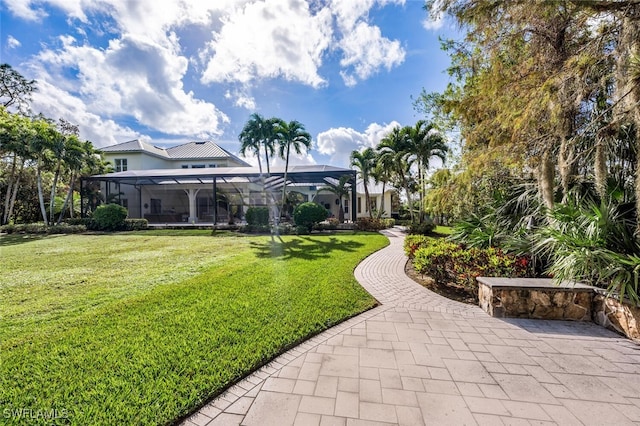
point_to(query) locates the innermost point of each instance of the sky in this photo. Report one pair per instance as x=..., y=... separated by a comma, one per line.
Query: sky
x=174, y=71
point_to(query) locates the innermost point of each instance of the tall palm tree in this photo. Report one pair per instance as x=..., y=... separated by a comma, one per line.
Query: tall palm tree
x=77, y=154
x=269, y=139
x=288, y=135
x=381, y=173
x=364, y=162
x=341, y=190
x=251, y=137
x=425, y=143
x=393, y=148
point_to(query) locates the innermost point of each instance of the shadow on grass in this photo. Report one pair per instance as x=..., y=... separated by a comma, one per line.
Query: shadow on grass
x=15, y=239
x=307, y=248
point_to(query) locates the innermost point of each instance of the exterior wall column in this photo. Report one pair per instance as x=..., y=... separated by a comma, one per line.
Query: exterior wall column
x=354, y=211
x=192, y=194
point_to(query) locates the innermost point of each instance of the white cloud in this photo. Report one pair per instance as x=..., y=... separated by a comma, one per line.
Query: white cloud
x=56, y=103
x=12, y=42
x=435, y=18
x=366, y=51
x=269, y=39
x=340, y=142
x=241, y=99
x=135, y=77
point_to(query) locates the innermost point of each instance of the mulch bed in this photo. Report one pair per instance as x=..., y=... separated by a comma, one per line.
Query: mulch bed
x=447, y=290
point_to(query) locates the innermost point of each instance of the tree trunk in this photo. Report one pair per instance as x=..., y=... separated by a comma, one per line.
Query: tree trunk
x=6, y=215
x=66, y=199
x=600, y=167
x=284, y=184
x=367, y=198
x=52, y=200
x=43, y=209
x=384, y=184
x=16, y=186
x=546, y=177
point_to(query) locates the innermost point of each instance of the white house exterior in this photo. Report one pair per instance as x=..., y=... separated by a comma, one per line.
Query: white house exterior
x=200, y=182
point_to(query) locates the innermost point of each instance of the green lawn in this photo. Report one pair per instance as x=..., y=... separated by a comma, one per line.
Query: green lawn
x=141, y=328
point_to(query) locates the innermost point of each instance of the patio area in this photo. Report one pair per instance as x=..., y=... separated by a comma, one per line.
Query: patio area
x=420, y=359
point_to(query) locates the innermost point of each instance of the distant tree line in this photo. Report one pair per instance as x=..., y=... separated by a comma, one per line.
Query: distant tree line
x=41, y=160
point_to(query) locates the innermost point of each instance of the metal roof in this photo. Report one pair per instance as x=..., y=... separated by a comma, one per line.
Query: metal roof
x=187, y=151
x=315, y=174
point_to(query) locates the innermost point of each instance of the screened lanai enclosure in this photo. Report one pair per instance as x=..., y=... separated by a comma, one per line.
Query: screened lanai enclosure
x=216, y=195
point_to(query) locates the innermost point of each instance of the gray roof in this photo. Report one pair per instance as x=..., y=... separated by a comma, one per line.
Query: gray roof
x=186, y=151
x=315, y=174
x=136, y=145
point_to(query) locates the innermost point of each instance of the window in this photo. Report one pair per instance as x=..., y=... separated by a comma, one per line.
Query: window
x=197, y=166
x=156, y=206
x=124, y=203
x=213, y=166
x=121, y=164
x=346, y=205
x=374, y=203
x=185, y=166
x=359, y=204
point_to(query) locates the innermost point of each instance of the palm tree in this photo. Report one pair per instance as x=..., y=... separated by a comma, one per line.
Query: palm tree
x=77, y=154
x=393, y=149
x=364, y=162
x=382, y=173
x=424, y=144
x=251, y=137
x=341, y=190
x=290, y=135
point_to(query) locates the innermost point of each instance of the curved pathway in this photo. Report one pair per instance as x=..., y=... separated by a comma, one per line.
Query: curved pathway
x=422, y=359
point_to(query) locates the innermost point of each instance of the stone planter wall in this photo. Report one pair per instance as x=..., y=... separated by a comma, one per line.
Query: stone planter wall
x=537, y=303
x=539, y=298
x=615, y=315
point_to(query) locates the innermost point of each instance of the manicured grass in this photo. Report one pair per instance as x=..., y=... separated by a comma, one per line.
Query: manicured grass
x=141, y=328
x=443, y=230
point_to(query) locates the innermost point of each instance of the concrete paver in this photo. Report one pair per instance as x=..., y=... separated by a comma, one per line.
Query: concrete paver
x=420, y=358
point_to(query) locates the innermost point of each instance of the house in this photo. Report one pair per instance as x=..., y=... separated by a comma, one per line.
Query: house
x=202, y=182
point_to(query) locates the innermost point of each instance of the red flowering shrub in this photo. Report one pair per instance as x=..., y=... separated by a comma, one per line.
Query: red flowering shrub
x=448, y=262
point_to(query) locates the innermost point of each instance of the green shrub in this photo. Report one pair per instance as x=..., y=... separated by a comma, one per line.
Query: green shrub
x=255, y=229
x=374, y=224
x=413, y=242
x=65, y=228
x=109, y=217
x=593, y=243
x=257, y=216
x=447, y=262
x=40, y=228
x=135, y=224
x=307, y=214
x=302, y=230
x=425, y=228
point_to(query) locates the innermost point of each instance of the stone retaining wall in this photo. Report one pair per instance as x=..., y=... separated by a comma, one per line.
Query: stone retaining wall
x=537, y=303
x=623, y=318
x=539, y=298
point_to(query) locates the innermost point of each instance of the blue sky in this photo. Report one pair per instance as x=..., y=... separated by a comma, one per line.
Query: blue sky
x=172, y=71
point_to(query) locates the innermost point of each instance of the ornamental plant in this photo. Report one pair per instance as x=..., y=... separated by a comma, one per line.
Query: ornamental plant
x=451, y=263
x=308, y=214
x=109, y=217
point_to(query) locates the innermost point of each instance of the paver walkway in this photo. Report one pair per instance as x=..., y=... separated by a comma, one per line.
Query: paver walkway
x=420, y=359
